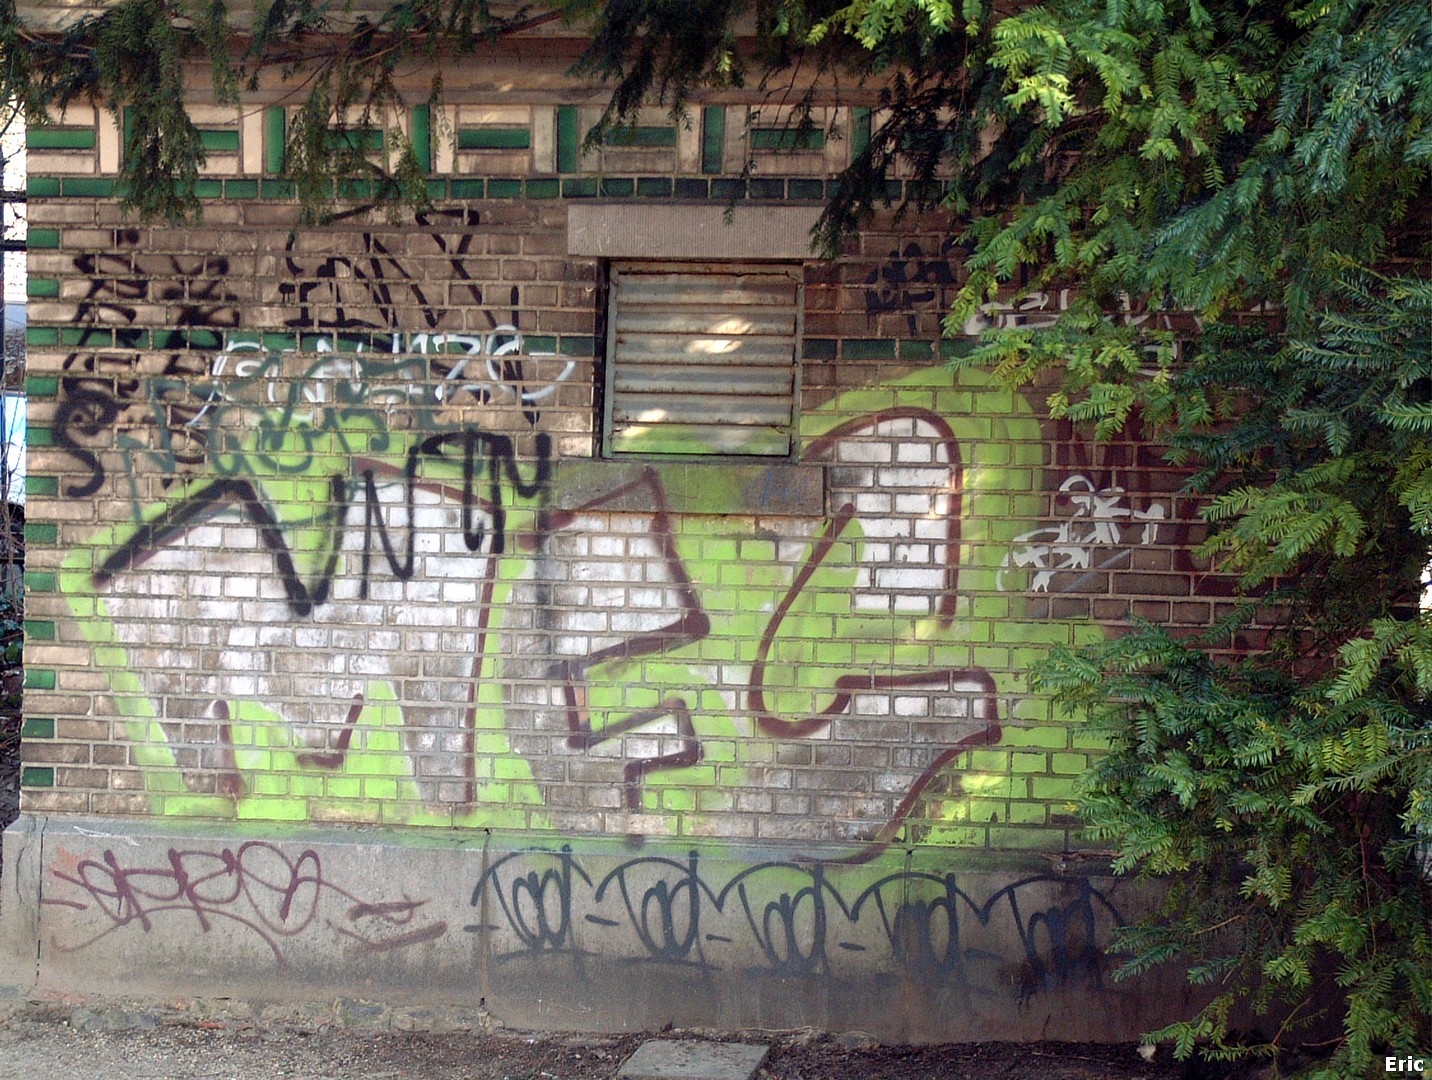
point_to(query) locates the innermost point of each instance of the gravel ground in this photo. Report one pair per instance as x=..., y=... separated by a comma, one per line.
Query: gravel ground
x=349, y=1040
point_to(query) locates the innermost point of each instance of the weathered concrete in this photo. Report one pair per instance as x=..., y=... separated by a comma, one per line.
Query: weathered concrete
x=925, y=945
x=696, y=1059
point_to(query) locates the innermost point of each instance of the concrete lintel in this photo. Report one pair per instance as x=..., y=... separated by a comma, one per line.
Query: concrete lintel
x=690, y=231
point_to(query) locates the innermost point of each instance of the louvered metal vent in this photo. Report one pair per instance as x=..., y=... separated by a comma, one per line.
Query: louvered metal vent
x=702, y=360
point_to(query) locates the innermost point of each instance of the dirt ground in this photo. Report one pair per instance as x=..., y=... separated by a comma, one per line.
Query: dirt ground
x=358, y=1041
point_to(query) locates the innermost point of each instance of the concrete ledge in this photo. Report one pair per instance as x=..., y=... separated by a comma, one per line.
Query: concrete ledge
x=589, y=935
x=699, y=231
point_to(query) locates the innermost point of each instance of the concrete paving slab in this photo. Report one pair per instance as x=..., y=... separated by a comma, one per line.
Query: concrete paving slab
x=678, y=1059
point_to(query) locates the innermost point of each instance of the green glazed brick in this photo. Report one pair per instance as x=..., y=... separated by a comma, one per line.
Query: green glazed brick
x=1028, y=762
x=421, y=125
x=806, y=189
x=42, y=186
x=368, y=142
x=713, y=138
x=40, y=581
x=40, y=436
x=56, y=138
x=275, y=138
x=988, y=761
x=42, y=238
x=617, y=187
x=504, y=189
x=437, y=190
x=728, y=189
x=205, y=339
x=241, y=189
x=867, y=349
x=539, y=343
x=37, y=728
x=86, y=335
x=468, y=189
x=87, y=187
x=568, y=139
x=276, y=342
x=276, y=189
x=654, y=186
x=577, y=345
x=1028, y=813
x=37, y=776
x=764, y=188
x=494, y=138
x=819, y=348
x=690, y=188
x=219, y=139
x=208, y=189
x=355, y=190
x=1047, y=738
x=653, y=137
x=38, y=679
x=859, y=130
x=785, y=140
x=41, y=532
x=42, y=485
x=1069, y=764
x=42, y=287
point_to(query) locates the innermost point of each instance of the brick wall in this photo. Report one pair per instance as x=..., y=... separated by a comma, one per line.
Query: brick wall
x=319, y=531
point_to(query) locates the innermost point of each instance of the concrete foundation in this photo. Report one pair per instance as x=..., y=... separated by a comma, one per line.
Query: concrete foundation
x=921, y=945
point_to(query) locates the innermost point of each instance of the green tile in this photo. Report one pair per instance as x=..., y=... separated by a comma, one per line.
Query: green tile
x=728, y=189
x=276, y=189
x=655, y=186
x=131, y=338
x=42, y=335
x=169, y=339
x=893, y=189
x=713, y=138
x=219, y=139
x=468, y=189
x=369, y=142
x=42, y=485
x=208, y=189
x=39, y=630
x=42, y=238
x=787, y=139
x=241, y=189
x=925, y=191
x=819, y=348
x=276, y=342
x=275, y=137
x=35, y=775
x=504, y=189
x=40, y=581
x=859, y=130
x=437, y=190
x=57, y=138
x=641, y=136
x=767, y=188
x=867, y=349
x=37, y=728
x=568, y=139
x=687, y=188
x=39, y=436
x=420, y=123
x=206, y=339
x=42, y=286
x=583, y=188
x=355, y=190
x=86, y=335
x=41, y=532
x=42, y=185
x=39, y=679
x=88, y=186
x=806, y=189
x=617, y=187
x=577, y=345
x=494, y=138
x=539, y=343
x=543, y=189
x=42, y=386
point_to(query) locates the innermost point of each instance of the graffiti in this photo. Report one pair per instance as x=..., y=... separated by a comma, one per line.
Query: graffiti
x=1099, y=520
x=800, y=919
x=911, y=280
x=256, y=886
